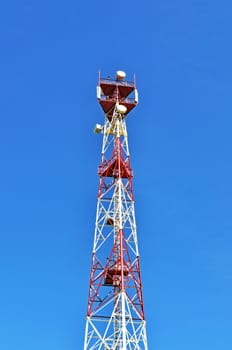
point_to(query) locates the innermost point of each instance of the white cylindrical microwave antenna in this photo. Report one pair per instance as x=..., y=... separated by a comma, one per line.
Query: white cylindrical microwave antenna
x=120, y=75
x=98, y=128
x=121, y=109
x=98, y=92
x=136, y=96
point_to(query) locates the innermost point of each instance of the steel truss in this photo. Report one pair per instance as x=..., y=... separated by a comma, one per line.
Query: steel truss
x=115, y=314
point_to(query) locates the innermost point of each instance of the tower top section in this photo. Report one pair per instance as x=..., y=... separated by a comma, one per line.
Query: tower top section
x=116, y=93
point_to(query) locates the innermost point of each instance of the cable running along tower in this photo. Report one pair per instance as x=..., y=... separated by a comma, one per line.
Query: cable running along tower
x=115, y=314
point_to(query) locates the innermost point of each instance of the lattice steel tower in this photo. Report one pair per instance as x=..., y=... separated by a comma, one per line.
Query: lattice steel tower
x=115, y=314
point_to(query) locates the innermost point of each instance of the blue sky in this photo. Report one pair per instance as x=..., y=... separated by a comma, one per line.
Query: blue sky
x=180, y=142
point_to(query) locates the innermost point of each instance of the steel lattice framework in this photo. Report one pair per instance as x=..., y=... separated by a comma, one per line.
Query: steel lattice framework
x=115, y=314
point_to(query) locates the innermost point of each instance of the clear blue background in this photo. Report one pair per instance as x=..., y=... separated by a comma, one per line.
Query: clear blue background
x=180, y=142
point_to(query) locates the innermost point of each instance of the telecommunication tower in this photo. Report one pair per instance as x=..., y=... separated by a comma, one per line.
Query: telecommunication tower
x=115, y=313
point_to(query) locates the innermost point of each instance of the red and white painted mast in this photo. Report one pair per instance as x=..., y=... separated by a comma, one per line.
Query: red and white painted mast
x=115, y=314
